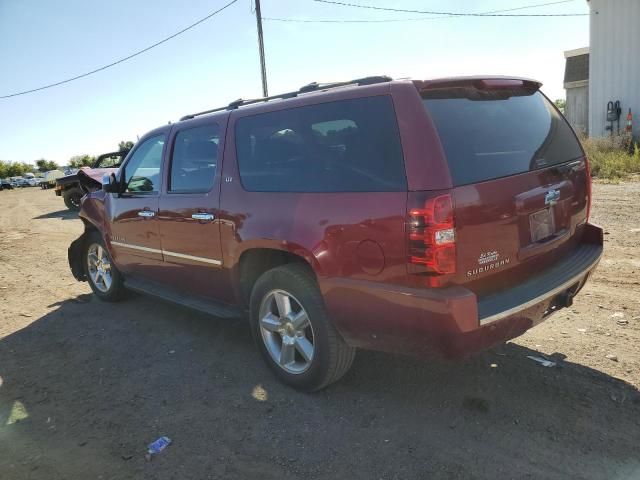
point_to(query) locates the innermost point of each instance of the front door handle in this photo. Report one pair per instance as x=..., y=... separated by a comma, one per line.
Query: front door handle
x=203, y=216
x=146, y=213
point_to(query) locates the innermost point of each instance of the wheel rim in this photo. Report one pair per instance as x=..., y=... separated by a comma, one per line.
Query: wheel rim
x=75, y=199
x=286, y=331
x=99, y=267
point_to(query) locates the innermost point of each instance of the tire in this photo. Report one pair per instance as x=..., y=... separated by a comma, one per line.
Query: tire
x=329, y=358
x=72, y=198
x=106, y=283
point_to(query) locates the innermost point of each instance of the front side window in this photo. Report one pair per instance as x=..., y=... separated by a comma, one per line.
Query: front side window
x=194, y=159
x=142, y=171
x=344, y=146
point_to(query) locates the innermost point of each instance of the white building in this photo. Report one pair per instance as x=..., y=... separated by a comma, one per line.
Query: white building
x=614, y=67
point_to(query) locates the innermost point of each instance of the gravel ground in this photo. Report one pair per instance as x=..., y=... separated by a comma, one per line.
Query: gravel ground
x=86, y=385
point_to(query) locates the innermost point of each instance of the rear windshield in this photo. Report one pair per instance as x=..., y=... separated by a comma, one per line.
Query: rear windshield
x=493, y=135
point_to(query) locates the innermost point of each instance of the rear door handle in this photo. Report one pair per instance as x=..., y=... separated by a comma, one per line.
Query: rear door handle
x=146, y=213
x=203, y=216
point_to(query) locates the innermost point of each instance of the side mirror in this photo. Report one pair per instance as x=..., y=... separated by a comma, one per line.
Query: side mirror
x=110, y=184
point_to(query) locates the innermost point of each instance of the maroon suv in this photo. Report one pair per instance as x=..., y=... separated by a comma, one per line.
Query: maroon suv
x=422, y=217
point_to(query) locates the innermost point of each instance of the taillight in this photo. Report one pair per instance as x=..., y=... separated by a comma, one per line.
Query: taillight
x=588, y=173
x=432, y=235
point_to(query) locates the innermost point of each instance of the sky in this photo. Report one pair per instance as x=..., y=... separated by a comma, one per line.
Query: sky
x=42, y=42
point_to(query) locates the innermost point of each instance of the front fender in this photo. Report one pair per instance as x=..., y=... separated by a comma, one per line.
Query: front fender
x=74, y=254
x=92, y=215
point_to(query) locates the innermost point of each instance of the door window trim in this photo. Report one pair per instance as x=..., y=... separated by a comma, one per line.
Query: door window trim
x=174, y=134
x=130, y=155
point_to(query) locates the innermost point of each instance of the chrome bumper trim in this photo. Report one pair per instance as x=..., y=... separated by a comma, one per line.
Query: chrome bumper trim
x=541, y=298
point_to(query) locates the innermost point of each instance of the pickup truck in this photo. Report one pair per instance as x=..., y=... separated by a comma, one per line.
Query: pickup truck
x=73, y=187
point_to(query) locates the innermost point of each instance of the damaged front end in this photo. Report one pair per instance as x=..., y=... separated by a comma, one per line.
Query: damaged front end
x=90, y=180
x=74, y=254
x=92, y=216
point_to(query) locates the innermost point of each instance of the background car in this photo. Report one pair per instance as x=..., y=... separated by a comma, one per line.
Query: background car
x=19, y=182
x=30, y=180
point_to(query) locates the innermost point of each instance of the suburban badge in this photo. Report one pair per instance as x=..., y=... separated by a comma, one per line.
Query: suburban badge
x=488, y=261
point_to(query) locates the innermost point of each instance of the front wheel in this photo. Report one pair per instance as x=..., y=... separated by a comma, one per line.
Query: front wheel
x=104, y=278
x=293, y=332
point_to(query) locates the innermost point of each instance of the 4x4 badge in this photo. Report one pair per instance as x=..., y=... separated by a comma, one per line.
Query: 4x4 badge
x=552, y=197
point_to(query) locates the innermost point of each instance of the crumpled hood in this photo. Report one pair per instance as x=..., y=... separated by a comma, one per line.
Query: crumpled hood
x=95, y=174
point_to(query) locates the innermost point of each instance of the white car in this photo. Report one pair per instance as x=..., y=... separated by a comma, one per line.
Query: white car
x=30, y=180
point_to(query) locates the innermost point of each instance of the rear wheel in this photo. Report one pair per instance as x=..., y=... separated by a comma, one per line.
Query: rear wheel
x=104, y=278
x=72, y=198
x=293, y=332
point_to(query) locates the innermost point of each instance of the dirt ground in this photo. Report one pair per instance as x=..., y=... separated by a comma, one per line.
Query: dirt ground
x=86, y=385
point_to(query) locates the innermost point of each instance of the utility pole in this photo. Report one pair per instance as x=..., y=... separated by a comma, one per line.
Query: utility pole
x=263, y=65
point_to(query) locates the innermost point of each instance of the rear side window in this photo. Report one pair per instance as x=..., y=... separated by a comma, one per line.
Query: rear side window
x=194, y=159
x=345, y=146
x=494, y=135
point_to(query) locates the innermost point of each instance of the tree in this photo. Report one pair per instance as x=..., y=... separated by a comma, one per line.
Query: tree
x=14, y=169
x=4, y=166
x=81, y=161
x=46, y=165
x=560, y=103
x=125, y=145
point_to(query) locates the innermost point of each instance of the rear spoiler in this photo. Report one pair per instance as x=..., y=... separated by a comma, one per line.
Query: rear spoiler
x=489, y=83
x=477, y=88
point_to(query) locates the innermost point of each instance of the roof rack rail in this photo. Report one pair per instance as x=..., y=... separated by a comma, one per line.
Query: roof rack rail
x=311, y=87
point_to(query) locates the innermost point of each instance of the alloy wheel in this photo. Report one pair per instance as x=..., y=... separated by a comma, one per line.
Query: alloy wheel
x=286, y=331
x=74, y=199
x=99, y=267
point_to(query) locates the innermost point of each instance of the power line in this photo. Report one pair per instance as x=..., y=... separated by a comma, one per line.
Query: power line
x=525, y=7
x=450, y=14
x=395, y=20
x=104, y=67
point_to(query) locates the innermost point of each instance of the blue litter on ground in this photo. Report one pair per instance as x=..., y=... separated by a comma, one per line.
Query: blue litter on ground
x=159, y=445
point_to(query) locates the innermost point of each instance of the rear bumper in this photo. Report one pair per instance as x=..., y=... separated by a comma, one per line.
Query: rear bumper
x=454, y=322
